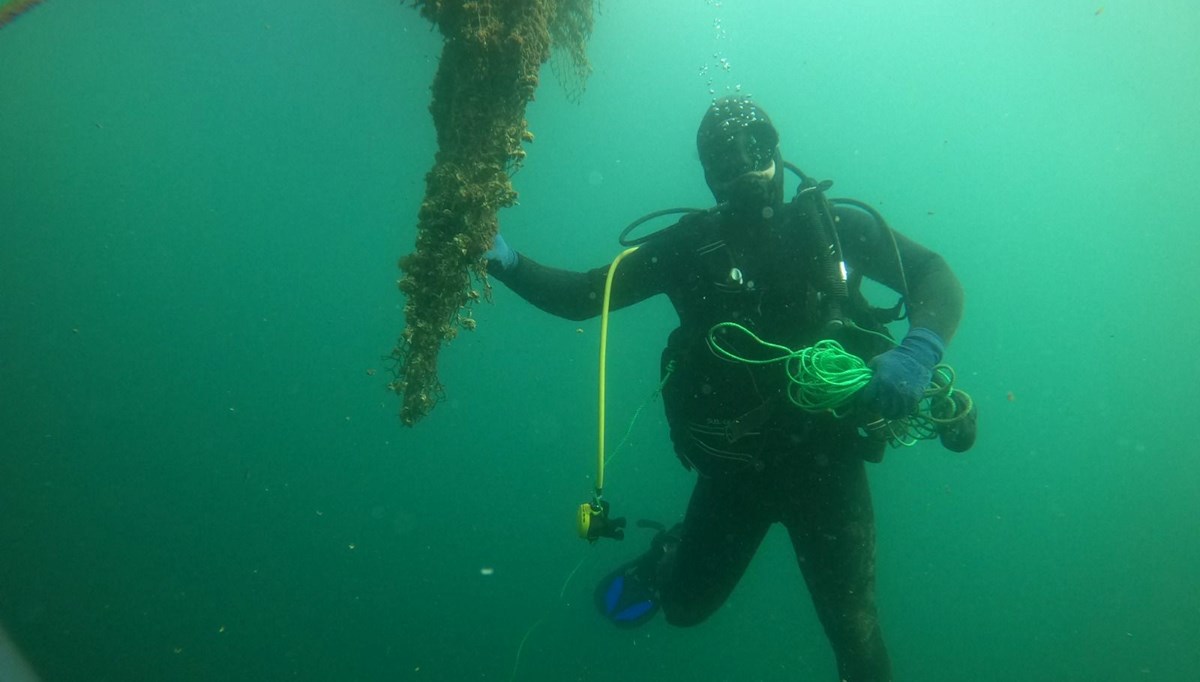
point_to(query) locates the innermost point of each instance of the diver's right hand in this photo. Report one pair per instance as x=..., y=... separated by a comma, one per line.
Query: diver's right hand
x=901, y=375
x=501, y=256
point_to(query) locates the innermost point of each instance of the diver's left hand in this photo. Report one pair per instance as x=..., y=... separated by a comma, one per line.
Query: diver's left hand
x=901, y=375
x=501, y=255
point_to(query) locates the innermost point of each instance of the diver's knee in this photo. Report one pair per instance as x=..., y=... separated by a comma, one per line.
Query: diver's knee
x=684, y=608
x=685, y=615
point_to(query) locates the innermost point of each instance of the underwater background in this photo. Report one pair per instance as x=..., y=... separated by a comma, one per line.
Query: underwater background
x=202, y=474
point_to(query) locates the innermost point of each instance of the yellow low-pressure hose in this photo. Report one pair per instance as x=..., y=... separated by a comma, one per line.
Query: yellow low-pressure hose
x=608, y=280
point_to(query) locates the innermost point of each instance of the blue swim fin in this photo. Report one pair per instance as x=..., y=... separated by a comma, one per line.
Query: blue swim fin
x=626, y=597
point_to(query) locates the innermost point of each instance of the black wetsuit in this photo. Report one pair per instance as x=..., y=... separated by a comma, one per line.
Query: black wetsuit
x=760, y=459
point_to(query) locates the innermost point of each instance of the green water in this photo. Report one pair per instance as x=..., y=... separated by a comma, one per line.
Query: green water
x=202, y=476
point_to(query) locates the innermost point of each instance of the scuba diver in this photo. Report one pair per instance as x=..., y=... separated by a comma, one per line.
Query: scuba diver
x=772, y=267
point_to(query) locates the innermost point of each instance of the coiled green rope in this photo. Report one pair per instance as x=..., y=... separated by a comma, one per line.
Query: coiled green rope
x=821, y=377
x=825, y=376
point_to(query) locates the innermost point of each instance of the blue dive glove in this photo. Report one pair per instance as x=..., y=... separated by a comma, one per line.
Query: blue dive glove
x=901, y=374
x=503, y=255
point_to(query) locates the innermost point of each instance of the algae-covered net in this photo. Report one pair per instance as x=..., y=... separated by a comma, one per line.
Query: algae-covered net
x=9, y=9
x=491, y=56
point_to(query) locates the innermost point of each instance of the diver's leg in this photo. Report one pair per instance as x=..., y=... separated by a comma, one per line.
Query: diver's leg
x=832, y=526
x=725, y=523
